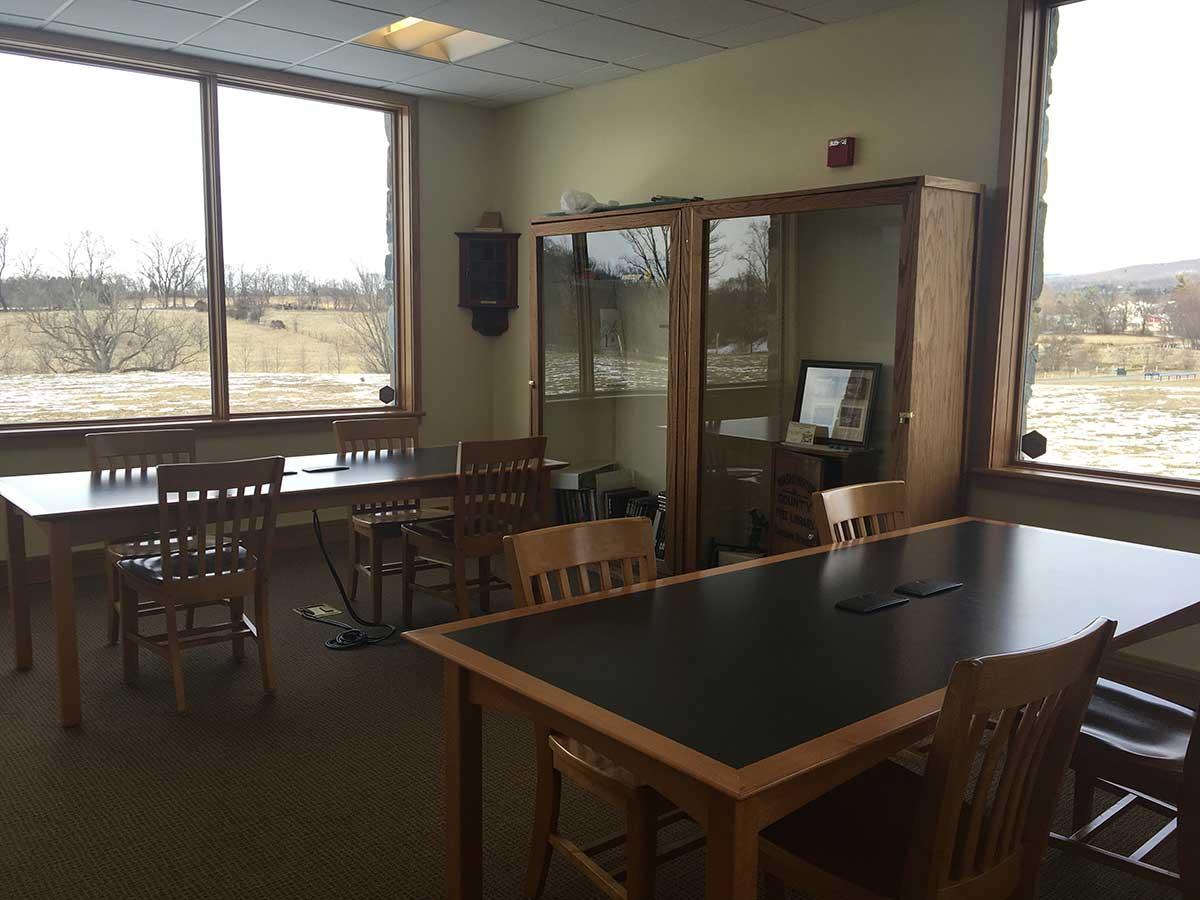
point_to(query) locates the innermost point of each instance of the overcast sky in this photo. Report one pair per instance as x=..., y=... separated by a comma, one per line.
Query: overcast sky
x=1124, y=183
x=87, y=148
x=304, y=182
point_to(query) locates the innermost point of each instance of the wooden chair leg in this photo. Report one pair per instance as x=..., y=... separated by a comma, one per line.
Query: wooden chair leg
x=485, y=583
x=1082, y=801
x=114, y=602
x=237, y=611
x=189, y=618
x=462, y=596
x=376, y=549
x=409, y=579
x=545, y=815
x=175, y=655
x=354, y=559
x=641, y=845
x=129, y=629
x=262, y=622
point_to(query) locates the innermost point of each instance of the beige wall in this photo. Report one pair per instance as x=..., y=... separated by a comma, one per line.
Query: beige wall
x=456, y=363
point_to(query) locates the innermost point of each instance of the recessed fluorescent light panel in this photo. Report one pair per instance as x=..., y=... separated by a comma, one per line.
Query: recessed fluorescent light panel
x=445, y=43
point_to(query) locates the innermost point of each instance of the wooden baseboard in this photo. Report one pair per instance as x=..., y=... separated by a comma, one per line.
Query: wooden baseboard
x=91, y=560
x=1171, y=682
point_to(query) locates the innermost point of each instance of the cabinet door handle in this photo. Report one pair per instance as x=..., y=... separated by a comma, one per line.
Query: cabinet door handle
x=906, y=417
x=532, y=383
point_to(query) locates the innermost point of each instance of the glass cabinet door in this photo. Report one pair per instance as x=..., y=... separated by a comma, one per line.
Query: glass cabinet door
x=604, y=318
x=777, y=290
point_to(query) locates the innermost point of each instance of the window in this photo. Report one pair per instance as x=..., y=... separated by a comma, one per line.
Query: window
x=1111, y=373
x=108, y=217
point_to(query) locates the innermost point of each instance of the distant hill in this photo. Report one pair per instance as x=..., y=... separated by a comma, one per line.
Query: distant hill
x=1151, y=275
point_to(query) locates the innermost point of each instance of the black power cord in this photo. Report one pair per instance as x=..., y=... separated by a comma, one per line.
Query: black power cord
x=351, y=638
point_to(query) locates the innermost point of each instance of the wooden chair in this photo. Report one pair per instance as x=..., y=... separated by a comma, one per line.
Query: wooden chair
x=236, y=502
x=947, y=835
x=1146, y=750
x=497, y=494
x=112, y=453
x=860, y=510
x=571, y=561
x=376, y=523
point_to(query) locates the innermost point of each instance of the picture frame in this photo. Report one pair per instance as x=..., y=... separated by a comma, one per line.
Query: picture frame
x=840, y=396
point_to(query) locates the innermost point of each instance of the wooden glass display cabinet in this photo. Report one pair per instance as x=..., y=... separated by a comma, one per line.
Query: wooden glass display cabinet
x=751, y=287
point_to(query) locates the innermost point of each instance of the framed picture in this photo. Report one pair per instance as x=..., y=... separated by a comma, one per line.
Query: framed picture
x=839, y=397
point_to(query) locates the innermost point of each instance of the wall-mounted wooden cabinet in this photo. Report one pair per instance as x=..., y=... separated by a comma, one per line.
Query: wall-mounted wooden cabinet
x=670, y=339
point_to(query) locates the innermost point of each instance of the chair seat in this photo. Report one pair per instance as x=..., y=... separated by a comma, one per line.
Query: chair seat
x=590, y=759
x=435, y=529
x=396, y=519
x=868, y=818
x=1135, y=728
x=150, y=568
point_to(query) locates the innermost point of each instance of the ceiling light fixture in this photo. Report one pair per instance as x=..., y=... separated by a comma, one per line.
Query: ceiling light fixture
x=432, y=40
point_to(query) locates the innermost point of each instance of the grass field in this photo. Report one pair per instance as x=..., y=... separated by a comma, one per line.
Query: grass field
x=311, y=362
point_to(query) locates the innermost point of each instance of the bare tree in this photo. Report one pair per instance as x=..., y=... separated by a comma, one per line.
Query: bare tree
x=3, y=264
x=650, y=250
x=95, y=331
x=171, y=271
x=371, y=320
x=1184, y=310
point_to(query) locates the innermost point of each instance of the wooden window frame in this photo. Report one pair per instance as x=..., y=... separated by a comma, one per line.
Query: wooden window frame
x=209, y=75
x=1003, y=325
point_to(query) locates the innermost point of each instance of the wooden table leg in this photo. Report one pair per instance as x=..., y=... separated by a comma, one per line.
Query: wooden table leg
x=62, y=592
x=18, y=587
x=732, y=859
x=464, y=789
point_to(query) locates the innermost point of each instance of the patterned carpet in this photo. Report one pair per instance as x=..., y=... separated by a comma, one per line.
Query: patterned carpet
x=331, y=789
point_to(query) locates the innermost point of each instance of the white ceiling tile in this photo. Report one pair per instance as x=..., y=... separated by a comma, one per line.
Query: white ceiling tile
x=101, y=34
x=321, y=17
x=33, y=9
x=463, y=80
x=692, y=18
x=531, y=92
x=134, y=18
x=762, y=30
x=525, y=61
x=595, y=6
x=258, y=40
x=669, y=56
x=840, y=10
x=598, y=75
x=225, y=56
x=606, y=39
x=415, y=91
x=512, y=19
x=23, y=21
x=337, y=76
x=398, y=8
x=368, y=62
x=212, y=7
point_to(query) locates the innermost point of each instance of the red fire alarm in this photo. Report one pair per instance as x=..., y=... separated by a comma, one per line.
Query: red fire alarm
x=841, y=152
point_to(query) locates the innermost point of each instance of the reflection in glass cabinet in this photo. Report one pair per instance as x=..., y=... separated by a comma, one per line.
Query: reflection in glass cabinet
x=780, y=289
x=604, y=318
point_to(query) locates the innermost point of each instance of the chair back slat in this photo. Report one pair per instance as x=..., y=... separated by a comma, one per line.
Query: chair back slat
x=195, y=499
x=860, y=510
x=374, y=438
x=129, y=451
x=1003, y=740
x=540, y=560
x=497, y=491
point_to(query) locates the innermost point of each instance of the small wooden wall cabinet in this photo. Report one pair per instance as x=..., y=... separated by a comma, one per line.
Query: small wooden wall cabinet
x=741, y=291
x=798, y=472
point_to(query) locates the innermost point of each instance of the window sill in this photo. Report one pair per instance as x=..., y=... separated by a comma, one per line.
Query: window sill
x=1129, y=491
x=60, y=435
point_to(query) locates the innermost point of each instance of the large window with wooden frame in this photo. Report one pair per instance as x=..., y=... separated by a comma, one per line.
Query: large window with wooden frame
x=1108, y=304
x=179, y=244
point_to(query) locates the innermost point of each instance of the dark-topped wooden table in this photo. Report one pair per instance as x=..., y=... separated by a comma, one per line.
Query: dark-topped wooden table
x=76, y=508
x=741, y=693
